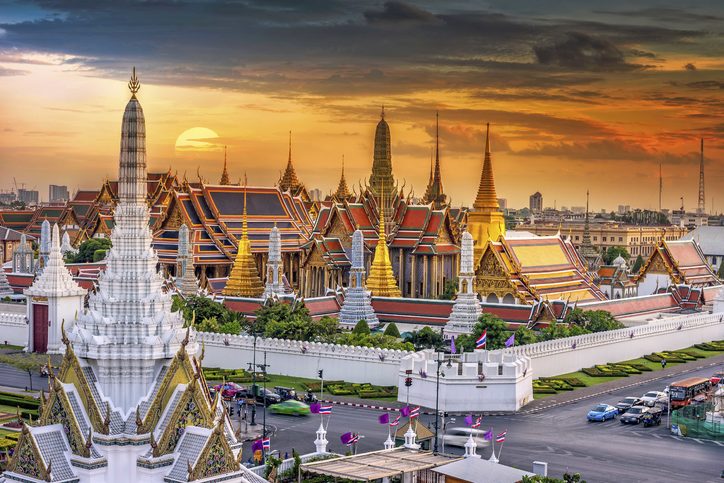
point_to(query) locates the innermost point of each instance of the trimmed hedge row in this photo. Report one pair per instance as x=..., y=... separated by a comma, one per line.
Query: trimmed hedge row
x=15, y=400
x=232, y=375
x=717, y=345
x=365, y=391
x=571, y=381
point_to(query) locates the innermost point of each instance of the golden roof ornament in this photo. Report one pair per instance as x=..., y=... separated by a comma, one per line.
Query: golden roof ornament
x=381, y=280
x=134, y=85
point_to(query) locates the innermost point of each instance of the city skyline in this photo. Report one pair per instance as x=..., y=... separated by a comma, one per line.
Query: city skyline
x=597, y=98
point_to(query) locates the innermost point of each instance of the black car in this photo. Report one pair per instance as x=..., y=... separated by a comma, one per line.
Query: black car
x=627, y=403
x=271, y=396
x=633, y=415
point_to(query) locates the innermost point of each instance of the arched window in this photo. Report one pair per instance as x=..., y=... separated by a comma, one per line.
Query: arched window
x=492, y=299
x=508, y=299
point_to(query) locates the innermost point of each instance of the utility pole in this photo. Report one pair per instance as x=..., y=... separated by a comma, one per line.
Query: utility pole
x=701, y=208
x=252, y=367
x=437, y=404
x=263, y=431
x=661, y=186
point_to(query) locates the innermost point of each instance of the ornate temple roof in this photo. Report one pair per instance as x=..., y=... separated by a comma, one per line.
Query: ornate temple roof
x=683, y=261
x=342, y=192
x=289, y=180
x=539, y=268
x=435, y=193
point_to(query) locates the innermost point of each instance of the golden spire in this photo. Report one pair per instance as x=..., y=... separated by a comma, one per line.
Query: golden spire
x=289, y=180
x=342, y=192
x=134, y=85
x=244, y=278
x=381, y=281
x=224, y=174
x=487, y=198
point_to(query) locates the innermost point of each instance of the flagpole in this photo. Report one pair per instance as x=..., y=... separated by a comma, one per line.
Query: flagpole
x=500, y=450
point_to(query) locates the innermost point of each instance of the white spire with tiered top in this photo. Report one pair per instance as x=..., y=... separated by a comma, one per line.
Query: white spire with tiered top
x=128, y=328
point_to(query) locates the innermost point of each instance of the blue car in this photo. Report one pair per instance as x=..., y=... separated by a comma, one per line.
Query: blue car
x=602, y=412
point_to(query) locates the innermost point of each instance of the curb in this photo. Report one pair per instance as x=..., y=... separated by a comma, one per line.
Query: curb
x=429, y=413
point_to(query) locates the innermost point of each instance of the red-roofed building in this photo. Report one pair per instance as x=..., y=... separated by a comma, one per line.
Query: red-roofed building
x=675, y=262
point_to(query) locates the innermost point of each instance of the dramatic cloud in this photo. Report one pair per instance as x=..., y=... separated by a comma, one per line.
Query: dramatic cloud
x=581, y=51
x=399, y=12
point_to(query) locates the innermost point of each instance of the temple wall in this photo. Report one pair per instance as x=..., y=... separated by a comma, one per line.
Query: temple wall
x=13, y=324
x=571, y=354
x=304, y=359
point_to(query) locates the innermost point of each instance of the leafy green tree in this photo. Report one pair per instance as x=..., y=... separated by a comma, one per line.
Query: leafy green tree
x=280, y=312
x=497, y=329
x=555, y=331
x=592, y=320
x=379, y=341
x=524, y=336
x=362, y=328
x=426, y=338
x=567, y=478
x=392, y=330
x=449, y=290
x=87, y=250
x=209, y=324
x=720, y=272
x=613, y=252
x=326, y=329
x=210, y=316
x=637, y=264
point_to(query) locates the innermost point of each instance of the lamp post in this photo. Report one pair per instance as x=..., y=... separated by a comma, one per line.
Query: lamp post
x=263, y=371
x=252, y=367
x=437, y=403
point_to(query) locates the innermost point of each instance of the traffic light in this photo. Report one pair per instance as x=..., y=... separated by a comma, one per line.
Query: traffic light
x=321, y=373
x=408, y=381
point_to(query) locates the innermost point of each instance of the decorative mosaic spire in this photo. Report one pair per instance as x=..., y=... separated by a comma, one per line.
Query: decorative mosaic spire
x=357, y=303
x=587, y=251
x=274, y=276
x=342, y=192
x=289, y=181
x=487, y=198
x=225, y=173
x=382, y=167
x=381, y=280
x=435, y=192
x=466, y=311
x=244, y=278
x=55, y=279
x=128, y=328
x=44, y=250
x=186, y=282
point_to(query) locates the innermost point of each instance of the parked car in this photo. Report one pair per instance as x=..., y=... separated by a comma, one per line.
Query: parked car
x=627, y=403
x=229, y=390
x=459, y=436
x=602, y=412
x=290, y=407
x=633, y=415
x=650, y=398
x=717, y=378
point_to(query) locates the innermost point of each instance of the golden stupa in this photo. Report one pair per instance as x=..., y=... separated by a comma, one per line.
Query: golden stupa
x=486, y=221
x=381, y=281
x=244, y=278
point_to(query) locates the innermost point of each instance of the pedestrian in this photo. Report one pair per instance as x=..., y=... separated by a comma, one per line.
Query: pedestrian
x=286, y=455
x=663, y=363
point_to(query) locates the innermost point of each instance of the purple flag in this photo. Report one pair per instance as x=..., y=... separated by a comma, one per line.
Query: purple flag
x=257, y=445
x=511, y=341
x=469, y=419
x=488, y=435
x=405, y=411
x=453, y=349
x=346, y=438
x=314, y=408
x=384, y=418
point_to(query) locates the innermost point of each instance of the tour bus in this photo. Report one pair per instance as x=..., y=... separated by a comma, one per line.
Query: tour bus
x=682, y=392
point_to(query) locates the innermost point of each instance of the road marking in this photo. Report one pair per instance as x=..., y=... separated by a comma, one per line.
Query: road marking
x=676, y=438
x=697, y=440
x=657, y=436
x=717, y=442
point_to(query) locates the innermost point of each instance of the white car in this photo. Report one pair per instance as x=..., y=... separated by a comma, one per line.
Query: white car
x=650, y=398
x=459, y=436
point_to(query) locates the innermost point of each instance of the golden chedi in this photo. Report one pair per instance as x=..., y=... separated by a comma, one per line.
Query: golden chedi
x=244, y=278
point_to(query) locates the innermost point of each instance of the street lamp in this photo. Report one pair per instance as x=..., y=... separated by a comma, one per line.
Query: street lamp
x=437, y=402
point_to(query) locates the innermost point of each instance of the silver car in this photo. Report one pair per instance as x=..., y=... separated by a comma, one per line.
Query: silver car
x=459, y=436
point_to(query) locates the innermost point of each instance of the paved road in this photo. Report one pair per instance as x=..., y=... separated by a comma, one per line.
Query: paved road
x=601, y=452
x=13, y=377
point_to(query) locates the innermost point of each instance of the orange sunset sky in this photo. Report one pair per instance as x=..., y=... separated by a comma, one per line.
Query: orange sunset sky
x=578, y=95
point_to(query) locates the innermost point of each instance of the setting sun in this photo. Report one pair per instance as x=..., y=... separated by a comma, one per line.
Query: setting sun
x=197, y=139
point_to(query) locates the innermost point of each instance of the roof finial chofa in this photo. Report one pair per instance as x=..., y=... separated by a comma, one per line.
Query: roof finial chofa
x=134, y=85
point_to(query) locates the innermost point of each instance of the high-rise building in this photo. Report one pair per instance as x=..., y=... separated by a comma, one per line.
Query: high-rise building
x=536, y=202
x=29, y=197
x=58, y=193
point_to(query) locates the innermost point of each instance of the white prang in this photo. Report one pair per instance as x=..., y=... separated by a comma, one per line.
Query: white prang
x=466, y=311
x=274, y=286
x=128, y=328
x=44, y=250
x=65, y=246
x=357, y=303
x=55, y=288
x=186, y=282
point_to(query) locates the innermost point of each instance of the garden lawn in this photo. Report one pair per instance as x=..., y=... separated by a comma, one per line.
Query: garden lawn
x=586, y=379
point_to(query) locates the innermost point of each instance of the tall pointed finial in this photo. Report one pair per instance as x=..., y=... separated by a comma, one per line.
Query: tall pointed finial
x=382, y=114
x=382, y=212
x=225, y=173
x=290, y=147
x=437, y=135
x=134, y=85
x=487, y=138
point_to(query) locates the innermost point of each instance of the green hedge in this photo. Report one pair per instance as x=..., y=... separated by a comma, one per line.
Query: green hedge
x=603, y=371
x=717, y=345
x=21, y=401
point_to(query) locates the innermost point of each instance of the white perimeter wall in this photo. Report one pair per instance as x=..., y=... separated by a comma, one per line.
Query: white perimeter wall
x=555, y=357
x=304, y=359
x=13, y=324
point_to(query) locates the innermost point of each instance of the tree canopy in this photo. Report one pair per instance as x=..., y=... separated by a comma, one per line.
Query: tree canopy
x=613, y=252
x=637, y=264
x=92, y=250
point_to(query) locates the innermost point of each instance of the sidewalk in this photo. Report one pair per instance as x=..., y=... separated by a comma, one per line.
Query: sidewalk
x=623, y=383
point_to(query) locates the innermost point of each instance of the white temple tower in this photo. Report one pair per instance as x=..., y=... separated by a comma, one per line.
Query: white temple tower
x=66, y=246
x=466, y=311
x=44, y=249
x=186, y=283
x=274, y=286
x=23, y=259
x=358, y=300
x=128, y=328
x=53, y=298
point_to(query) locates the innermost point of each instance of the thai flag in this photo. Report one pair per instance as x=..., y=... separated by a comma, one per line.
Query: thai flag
x=477, y=423
x=325, y=410
x=354, y=439
x=396, y=421
x=482, y=340
x=415, y=413
x=501, y=437
x=266, y=443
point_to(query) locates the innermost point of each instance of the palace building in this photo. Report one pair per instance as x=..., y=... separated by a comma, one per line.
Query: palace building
x=674, y=263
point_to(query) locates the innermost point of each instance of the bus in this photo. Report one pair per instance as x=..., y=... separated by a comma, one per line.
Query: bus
x=681, y=393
